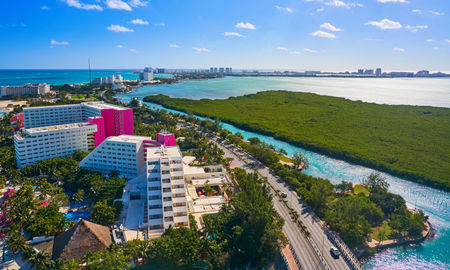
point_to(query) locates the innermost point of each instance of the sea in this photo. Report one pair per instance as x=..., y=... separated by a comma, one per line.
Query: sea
x=434, y=253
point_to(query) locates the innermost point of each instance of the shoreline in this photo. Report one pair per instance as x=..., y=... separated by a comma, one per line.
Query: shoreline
x=329, y=152
x=378, y=247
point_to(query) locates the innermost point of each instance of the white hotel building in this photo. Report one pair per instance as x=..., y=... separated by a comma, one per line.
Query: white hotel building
x=166, y=191
x=53, y=141
x=124, y=154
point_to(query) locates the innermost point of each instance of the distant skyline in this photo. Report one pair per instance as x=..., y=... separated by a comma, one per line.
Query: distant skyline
x=327, y=35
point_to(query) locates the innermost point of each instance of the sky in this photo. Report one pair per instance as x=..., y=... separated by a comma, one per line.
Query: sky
x=326, y=35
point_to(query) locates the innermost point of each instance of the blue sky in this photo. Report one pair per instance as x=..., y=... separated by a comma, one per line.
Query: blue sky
x=331, y=35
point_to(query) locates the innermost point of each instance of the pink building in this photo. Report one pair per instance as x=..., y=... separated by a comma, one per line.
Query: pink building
x=111, y=120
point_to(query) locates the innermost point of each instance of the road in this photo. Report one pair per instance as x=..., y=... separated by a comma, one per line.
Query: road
x=300, y=244
x=308, y=258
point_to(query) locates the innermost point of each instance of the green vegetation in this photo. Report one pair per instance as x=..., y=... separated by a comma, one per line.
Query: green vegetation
x=410, y=141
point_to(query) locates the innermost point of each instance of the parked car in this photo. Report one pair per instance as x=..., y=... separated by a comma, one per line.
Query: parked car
x=284, y=195
x=335, y=252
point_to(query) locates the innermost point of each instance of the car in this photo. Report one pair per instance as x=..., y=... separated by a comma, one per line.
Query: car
x=284, y=195
x=335, y=252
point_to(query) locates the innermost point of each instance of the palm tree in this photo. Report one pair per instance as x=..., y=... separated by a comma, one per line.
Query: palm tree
x=37, y=260
x=16, y=243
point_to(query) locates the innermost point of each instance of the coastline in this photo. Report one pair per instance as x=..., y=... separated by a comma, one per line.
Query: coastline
x=327, y=152
x=378, y=247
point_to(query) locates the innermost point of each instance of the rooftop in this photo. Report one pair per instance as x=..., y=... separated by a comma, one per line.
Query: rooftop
x=128, y=138
x=101, y=105
x=32, y=131
x=163, y=152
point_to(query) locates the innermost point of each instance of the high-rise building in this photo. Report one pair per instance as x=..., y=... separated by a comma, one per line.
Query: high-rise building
x=146, y=75
x=111, y=79
x=215, y=70
x=211, y=70
x=53, y=141
x=368, y=72
x=166, y=191
x=221, y=70
x=27, y=89
x=378, y=72
x=108, y=120
x=123, y=154
x=360, y=71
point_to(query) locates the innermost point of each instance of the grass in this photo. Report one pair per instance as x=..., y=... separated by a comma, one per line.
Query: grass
x=409, y=141
x=285, y=158
x=360, y=189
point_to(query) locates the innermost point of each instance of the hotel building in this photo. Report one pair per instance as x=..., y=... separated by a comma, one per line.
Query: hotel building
x=27, y=89
x=109, y=120
x=124, y=154
x=53, y=141
x=166, y=191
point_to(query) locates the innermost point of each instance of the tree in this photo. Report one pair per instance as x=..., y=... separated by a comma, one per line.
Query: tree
x=282, y=151
x=177, y=248
x=37, y=260
x=16, y=243
x=102, y=213
x=46, y=221
x=249, y=225
x=110, y=259
x=344, y=187
x=300, y=158
x=78, y=196
x=376, y=182
x=254, y=140
x=384, y=232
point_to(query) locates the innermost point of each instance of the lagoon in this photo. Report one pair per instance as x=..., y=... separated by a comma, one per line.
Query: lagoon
x=431, y=254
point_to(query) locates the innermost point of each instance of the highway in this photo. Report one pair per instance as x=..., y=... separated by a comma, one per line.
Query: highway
x=303, y=248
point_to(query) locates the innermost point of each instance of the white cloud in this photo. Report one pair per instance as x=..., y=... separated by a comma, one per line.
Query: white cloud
x=45, y=8
x=119, y=28
x=322, y=34
x=138, y=3
x=320, y=9
x=174, y=46
x=392, y=1
x=399, y=49
x=54, y=42
x=294, y=53
x=447, y=40
x=117, y=4
x=437, y=13
x=233, y=34
x=200, y=50
x=416, y=28
x=290, y=10
x=245, y=25
x=132, y=50
x=160, y=24
x=80, y=5
x=418, y=11
x=309, y=50
x=280, y=48
x=339, y=3
x=120, y=46
x=330, y=27
x=430, y=40
x=385, y=24
x=139, y=21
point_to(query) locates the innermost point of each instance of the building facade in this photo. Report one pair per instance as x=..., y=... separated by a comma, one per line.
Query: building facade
x=166, y=191
x=116, y=120
x=108, y=120
x=123, y=154
x=53, y=141
x=27, y=89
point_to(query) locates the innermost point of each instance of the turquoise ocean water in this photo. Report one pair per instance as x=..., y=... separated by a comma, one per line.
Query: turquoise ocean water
x=433, y=253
